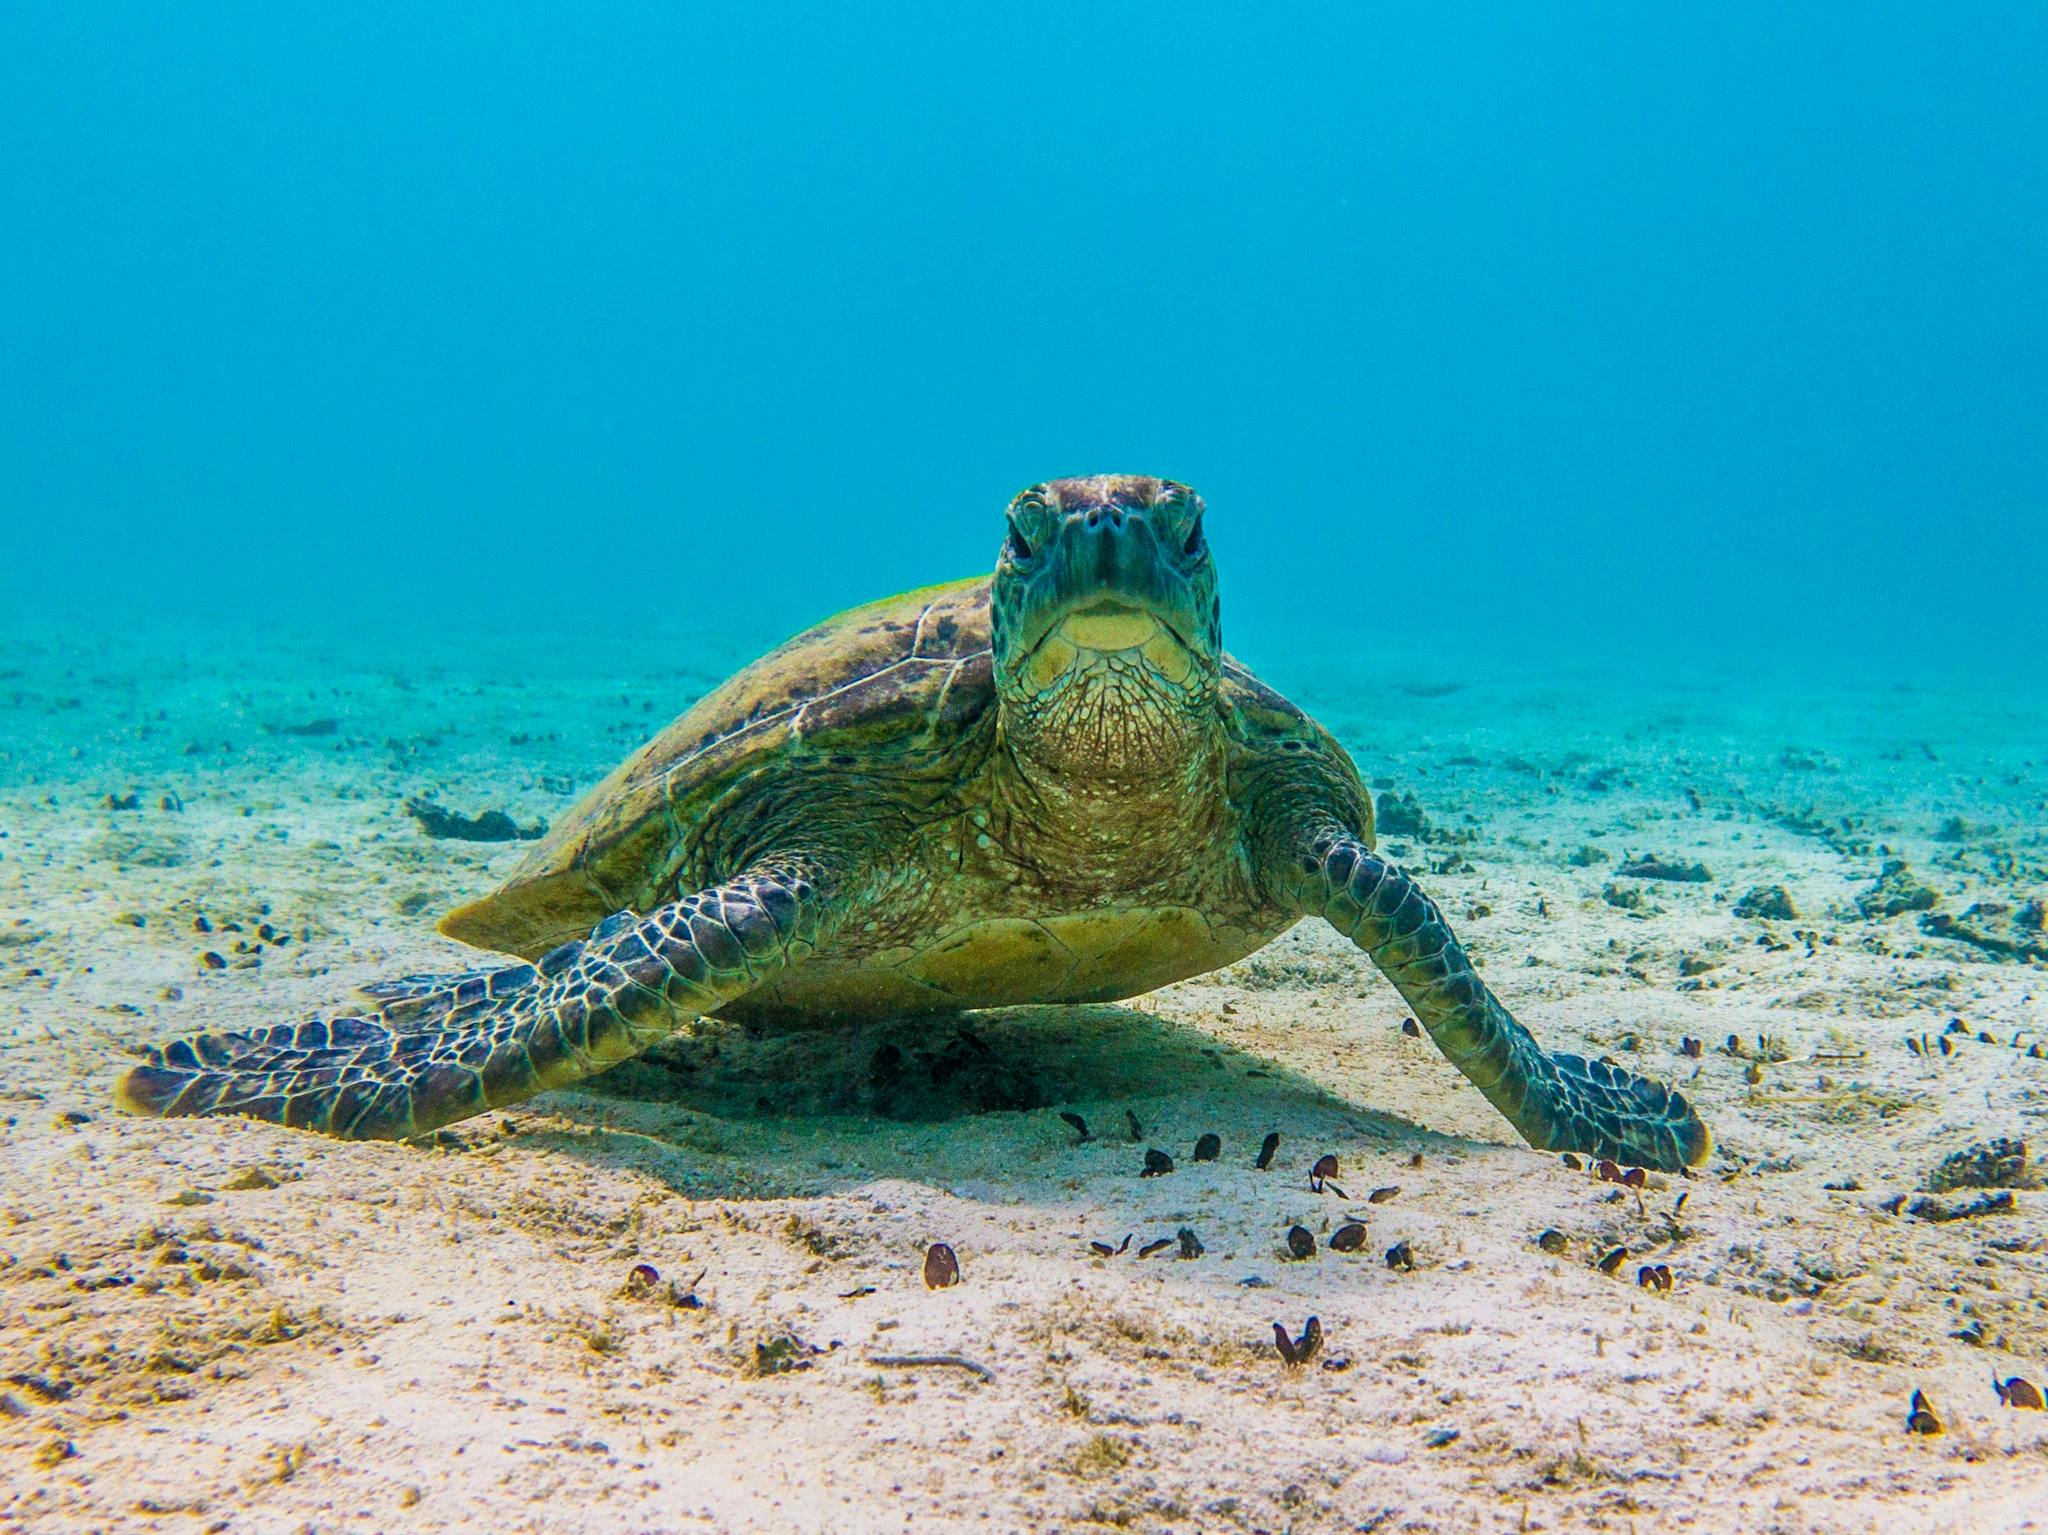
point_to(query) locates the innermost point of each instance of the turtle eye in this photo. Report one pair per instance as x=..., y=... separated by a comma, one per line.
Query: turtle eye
x=1194, y=544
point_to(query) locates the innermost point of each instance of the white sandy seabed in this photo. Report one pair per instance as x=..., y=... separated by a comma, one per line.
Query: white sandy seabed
x=216, y=1325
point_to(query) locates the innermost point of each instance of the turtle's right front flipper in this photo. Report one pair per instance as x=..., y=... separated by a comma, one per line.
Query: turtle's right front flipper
x=431, y=1056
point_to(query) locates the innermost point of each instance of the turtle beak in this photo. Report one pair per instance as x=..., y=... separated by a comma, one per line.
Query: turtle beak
x=1105, y=582
x=1110, y=624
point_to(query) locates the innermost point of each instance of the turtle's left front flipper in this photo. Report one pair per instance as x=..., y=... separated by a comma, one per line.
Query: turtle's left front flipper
x=1557, y=1102
x=438, y=1051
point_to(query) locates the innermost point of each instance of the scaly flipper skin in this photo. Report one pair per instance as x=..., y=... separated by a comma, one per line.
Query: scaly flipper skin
x=1556, y=1102
x=433, y=1054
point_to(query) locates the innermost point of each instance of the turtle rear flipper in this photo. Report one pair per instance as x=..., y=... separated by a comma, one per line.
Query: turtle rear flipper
x=444, y=1048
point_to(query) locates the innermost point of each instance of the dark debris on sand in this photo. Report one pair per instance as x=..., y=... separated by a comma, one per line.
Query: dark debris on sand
x=1998, y=1164
x=1895, y=890
x=491, y=826
x=1396, y=814
x=1767, y=903
x=1652, y=867
x=1996, y=927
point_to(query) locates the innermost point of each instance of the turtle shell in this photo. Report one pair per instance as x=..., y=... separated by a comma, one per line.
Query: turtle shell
x=876, y=680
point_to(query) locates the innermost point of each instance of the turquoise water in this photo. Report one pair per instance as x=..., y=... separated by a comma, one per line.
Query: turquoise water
x=1614, y=386
x=1714, y=333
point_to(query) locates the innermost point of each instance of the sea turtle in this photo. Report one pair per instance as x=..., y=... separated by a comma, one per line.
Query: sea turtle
x=1045, y=785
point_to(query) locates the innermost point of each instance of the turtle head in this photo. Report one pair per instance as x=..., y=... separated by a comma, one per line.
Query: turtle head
x=1105, y=620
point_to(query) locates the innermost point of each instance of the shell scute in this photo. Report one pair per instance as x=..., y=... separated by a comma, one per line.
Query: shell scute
x=901, y=669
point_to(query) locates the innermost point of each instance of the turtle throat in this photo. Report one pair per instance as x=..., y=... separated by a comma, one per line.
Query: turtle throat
x=1112, y=703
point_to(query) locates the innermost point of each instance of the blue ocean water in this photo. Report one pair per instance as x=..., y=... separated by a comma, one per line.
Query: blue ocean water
x=1683, y=336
